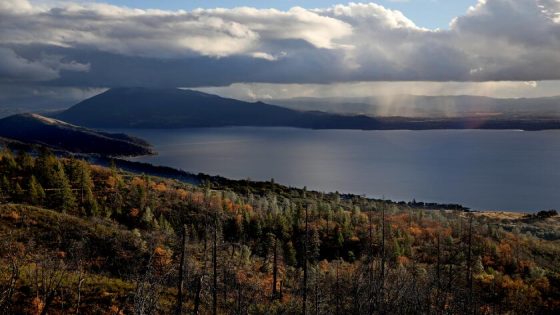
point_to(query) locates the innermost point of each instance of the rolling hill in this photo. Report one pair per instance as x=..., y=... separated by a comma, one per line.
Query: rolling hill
x=56, y=134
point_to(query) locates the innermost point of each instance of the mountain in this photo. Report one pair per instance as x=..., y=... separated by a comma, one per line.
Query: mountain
x=448, y=106
x=176, y=108
x=168, y=108
x=37, y=129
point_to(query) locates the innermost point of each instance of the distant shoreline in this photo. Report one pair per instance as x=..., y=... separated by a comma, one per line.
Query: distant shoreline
x=234, y=184
x=259, y=186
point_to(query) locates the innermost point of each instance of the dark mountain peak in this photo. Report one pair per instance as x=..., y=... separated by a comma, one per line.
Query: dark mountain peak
x=134, y=91
x=171, y=108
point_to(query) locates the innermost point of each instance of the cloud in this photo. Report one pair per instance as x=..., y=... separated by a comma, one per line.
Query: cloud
x=15, y=68
x=105, y=45
x=18, y=98
x=501, y=89
x=16, y=6
x=167, y=34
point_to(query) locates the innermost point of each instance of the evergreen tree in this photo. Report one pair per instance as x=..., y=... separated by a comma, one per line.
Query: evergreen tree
x=8, y=164
x=164, y=225
x=148, y=217
x=5, y=189
x=26, y=163
x=36, y=193
x=79, y=173
x=339, y=239
x=61, y=196
x=314, y=245
x=478, y=267
x=116, y=199
x=290, y=254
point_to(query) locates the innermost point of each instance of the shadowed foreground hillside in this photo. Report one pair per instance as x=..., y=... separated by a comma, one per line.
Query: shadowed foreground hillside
x=79, y=238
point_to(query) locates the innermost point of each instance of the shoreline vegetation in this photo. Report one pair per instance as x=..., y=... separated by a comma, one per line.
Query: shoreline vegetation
x=220, y=182
x=246, y=185
x=214, y=181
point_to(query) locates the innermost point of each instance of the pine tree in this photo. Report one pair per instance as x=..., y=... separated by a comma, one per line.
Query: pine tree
x=5, y=189
x=62, y=197
x=115, y=200
x=478, y=267
x=26, y=163
x=8, y=164
x=164, y=225
x=314, y=245
x=290, y=254
x=339, y=239
x=36, y=192
x=148, y=217
x=79, y=173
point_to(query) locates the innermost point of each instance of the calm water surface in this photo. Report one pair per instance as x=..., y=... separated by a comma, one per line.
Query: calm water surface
x=487, y=170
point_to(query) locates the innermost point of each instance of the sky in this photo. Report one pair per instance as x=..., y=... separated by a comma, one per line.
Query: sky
x=59, y=51
x=425, y=13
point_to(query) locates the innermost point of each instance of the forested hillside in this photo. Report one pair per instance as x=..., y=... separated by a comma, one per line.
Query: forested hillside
x=79, y=238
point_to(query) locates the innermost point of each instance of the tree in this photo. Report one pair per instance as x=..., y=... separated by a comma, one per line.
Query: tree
x=148, y=217
x=116, y=198
x=5, y=189
x=215, y=265
x=305, y=258
x=53, y=176
x=79, y=174
x=275, y=268
x=182, y=261
x=314, y=245
x=36, y=193
x=290, y=258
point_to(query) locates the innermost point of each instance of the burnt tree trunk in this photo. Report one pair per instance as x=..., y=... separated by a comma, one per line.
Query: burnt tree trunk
x=180, y=283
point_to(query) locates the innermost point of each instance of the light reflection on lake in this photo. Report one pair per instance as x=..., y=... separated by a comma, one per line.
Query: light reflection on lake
x=491, y=170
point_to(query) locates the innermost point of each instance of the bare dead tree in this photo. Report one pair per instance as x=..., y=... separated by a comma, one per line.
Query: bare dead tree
x=79, y=283
x=47, y=274
x=337, y=289
x=383, y=258
x=371, y=276
x=305, y=254
x=149, y=287
x=275, y=269
x=469, y=267
x=215, y=265
x=10, y=267
x=180, y=282
x=200, y=277
x=196, y=307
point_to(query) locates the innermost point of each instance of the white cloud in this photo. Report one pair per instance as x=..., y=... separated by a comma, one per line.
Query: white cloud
x=156, y=33
x=514, y=40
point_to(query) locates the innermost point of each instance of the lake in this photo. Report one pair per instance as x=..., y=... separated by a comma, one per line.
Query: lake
x=485, y=170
